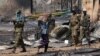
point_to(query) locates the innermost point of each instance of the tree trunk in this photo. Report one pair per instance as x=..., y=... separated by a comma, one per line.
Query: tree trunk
x=31, y=4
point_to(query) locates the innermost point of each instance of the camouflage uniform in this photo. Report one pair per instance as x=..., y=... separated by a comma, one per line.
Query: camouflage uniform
x=52, y=24
x=18, y=26
x=74, y=27
x=84, y=27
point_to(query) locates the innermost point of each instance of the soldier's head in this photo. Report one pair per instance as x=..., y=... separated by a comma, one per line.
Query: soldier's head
x=84, y=12
x=75, y=9
x=19, y=12
x=73, y=12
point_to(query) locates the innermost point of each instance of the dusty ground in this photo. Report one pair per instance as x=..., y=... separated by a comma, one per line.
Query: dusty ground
x=33, y=51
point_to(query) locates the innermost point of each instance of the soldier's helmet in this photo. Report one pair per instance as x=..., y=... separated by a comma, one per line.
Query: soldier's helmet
x=18, y=12
x=74, y=12
x=76, y=9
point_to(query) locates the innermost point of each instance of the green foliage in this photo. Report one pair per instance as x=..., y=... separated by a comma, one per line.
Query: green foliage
x=35, y=16
x=58, y=13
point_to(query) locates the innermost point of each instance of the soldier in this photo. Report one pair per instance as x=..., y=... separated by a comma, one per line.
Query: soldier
x=18, y=26
x=51, y=21
x=74, y=27
x=84, y=25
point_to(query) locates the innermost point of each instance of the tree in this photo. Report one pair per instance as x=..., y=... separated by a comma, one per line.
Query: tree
x=9, y=7
x=31, y=4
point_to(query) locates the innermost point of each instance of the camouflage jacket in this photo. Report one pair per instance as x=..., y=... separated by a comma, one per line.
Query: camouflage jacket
x=85, y=21
x=75, y=20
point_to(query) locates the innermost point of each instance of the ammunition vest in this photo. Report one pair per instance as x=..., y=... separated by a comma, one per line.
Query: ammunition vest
x=85, y=22
x=19, y=24
x=74, y=20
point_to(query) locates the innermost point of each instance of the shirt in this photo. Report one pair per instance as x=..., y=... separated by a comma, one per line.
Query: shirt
x=20, y=18
x=44, y=28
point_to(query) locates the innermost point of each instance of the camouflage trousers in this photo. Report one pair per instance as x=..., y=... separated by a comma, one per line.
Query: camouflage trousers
x=19, y=38
x=84, y=33
x=74, y=35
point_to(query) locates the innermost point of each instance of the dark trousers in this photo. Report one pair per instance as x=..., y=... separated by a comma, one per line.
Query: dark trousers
x=45, y=41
